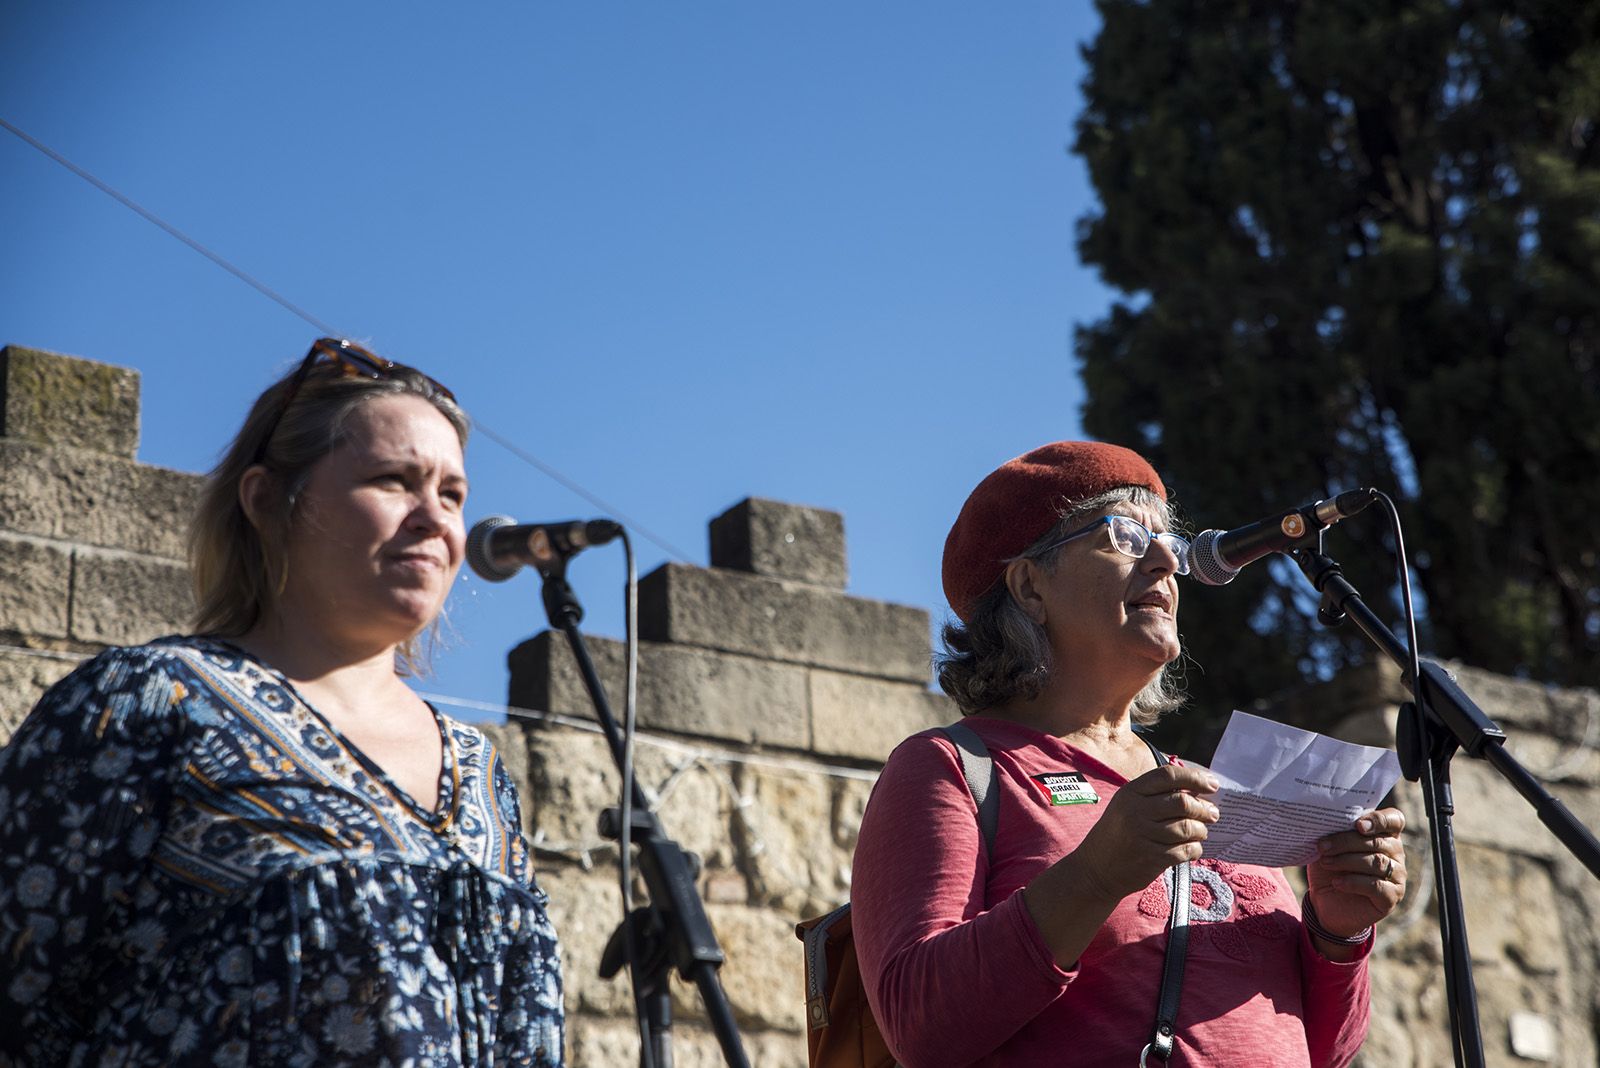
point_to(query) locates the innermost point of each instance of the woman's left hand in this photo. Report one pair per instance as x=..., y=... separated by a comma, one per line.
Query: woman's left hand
x=1361, y=875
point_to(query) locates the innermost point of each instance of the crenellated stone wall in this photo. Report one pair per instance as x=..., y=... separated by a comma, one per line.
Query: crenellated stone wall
x=768, y=698
x=91, y=541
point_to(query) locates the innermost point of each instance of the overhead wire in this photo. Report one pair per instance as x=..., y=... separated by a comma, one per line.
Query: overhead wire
x=328, y=330
x=151, y=217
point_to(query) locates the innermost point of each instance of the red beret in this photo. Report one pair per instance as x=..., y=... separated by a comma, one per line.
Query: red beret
x=1018, y=503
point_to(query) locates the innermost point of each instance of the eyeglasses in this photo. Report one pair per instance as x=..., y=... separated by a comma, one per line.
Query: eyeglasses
x=348, y=359
x=1130, y=538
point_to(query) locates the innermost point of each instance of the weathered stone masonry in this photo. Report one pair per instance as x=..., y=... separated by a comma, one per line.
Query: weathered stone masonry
x=767, y=699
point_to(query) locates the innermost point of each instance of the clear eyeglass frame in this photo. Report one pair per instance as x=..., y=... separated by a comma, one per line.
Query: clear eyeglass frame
x=1131, y=538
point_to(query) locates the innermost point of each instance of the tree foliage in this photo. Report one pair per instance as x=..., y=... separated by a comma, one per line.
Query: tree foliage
x=1359, y=244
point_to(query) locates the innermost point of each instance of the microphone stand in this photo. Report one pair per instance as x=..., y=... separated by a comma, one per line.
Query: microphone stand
x=1431, y=729
x=672, y=930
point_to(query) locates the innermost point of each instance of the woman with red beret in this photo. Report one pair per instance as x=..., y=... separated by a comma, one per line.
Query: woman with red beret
x=1046, y=946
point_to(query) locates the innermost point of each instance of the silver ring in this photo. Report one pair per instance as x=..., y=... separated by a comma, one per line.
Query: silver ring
x=1388, y=868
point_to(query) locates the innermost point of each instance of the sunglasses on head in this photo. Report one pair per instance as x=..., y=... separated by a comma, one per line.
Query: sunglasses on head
x=347, y=358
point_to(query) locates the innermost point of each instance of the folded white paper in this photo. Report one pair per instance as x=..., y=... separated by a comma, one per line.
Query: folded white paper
x=1283, y=788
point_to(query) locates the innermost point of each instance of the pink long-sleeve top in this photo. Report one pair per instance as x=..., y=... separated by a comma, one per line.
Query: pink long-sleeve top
x=958, y=974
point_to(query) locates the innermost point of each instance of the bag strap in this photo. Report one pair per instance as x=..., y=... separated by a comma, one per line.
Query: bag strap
x=978, y=768
x=1161, y=1038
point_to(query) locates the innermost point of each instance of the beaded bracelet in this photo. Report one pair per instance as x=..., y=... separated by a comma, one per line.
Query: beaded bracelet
x=1314, y=925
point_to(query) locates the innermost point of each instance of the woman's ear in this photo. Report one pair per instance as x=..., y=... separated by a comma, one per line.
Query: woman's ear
x=256, y=487
x=1022, y=578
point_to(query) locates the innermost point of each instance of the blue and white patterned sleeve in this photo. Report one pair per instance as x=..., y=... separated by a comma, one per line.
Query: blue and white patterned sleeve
x=84, y=783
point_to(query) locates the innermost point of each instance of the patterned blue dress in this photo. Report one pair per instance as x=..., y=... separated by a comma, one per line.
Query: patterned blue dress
x=196, y=868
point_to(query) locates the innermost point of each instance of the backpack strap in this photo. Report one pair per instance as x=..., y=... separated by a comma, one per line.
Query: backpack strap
x=978, y=768
x=814, y=936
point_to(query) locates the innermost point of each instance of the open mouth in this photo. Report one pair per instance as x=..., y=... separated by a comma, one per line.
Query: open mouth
x=1154, y=601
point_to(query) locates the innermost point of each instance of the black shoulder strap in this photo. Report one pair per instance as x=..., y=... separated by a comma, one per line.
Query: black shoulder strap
x=1161, y=1038
x=978, y=767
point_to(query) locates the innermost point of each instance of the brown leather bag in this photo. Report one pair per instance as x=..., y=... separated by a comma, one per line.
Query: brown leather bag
x=841, y=1031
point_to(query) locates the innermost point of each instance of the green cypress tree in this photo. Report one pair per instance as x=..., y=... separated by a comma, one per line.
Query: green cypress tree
x=1359, y=244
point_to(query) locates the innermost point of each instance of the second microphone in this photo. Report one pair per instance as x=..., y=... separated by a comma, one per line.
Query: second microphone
x=498, y=547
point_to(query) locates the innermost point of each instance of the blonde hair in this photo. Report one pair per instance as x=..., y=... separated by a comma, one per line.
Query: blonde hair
x=240, y=570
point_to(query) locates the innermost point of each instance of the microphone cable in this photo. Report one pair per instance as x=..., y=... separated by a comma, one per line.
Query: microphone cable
x=630, y=613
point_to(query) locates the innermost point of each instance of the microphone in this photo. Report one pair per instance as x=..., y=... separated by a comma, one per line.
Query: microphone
x=1216, y=556
x=498, y=547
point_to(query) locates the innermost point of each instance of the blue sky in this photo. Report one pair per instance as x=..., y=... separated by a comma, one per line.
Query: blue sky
x=683, y=253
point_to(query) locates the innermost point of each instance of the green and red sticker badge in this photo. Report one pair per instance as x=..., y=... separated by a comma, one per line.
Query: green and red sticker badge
x=1066, y=788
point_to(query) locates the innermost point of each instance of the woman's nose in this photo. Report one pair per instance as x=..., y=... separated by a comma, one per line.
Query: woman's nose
x=1160, y=558
x=429, y=513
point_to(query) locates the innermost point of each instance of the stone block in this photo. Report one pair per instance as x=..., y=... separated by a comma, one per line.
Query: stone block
x=1575, y=714
x=783, y=830
x=1409, y=1023
x=585, y=907
x=762, y=977
x=849, y=804
x=83, y=496
x=786, y=621
x=35, y=585
x=1512, y=703
x=571, y=778
x=1512, y=911
x=24, y=677
x=781, y=540
x=124, y=598
x=1555, y=759
x=62, y=400
x=1490, y=813
x=692, y=691
x=866, y=718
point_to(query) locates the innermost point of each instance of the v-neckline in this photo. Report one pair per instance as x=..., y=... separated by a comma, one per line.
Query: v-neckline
x=438, y=819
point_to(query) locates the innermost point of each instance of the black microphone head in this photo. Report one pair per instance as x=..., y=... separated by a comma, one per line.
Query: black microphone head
x=601, y=531
x=478, y=556
x=1206, y=564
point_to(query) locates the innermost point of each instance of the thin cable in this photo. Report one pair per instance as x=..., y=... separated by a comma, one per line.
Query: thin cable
x=152, y=217
x=326, y=329
x=629, y=724
x=625, y=807
x=611, y=510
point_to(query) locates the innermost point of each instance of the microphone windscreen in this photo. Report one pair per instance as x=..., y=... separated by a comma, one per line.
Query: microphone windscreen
x=480, y=559
x=1206, y=564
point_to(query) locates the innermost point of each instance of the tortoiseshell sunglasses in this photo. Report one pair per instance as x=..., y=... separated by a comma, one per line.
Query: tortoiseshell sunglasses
x=349, y=359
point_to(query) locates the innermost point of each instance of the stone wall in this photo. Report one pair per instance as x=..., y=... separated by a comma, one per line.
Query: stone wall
x=1531, y=909
x=91, y=541
x=768, y=697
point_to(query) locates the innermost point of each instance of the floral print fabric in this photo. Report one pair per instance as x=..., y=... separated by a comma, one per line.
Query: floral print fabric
x=196, y=868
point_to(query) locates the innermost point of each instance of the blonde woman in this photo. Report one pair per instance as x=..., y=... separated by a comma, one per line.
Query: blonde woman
x=257, y=845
